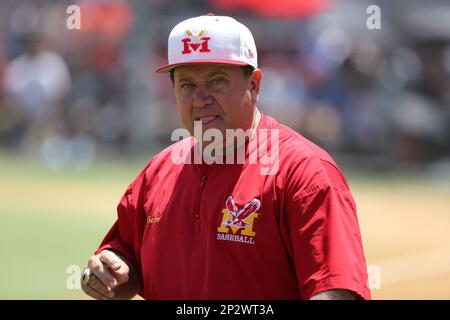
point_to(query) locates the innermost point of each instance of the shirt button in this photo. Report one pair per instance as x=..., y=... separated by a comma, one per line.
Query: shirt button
x=202, y=183
x=197, y=216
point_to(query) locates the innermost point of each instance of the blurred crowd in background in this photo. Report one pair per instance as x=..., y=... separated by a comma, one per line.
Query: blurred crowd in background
x=379, y=97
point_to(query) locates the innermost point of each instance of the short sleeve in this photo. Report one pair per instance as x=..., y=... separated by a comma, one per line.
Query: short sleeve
x=125, y=236
x=325, y=236
x=121, y=236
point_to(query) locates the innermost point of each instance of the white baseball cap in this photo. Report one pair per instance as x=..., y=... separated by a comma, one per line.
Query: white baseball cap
x=210, y=39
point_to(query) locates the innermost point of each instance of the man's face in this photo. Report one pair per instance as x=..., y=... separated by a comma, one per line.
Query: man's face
x=217, y=95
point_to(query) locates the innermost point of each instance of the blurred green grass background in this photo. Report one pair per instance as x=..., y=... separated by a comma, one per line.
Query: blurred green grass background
x=50, y=220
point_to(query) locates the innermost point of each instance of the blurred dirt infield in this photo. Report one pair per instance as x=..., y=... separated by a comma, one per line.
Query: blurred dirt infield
x=50, y=220
x=405, y=226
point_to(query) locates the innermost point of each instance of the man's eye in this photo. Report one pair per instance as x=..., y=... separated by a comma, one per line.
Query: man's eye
x=187, y=86
x=218, y=82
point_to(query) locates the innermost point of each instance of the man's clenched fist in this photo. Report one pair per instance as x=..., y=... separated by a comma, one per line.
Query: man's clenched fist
x=110, y=276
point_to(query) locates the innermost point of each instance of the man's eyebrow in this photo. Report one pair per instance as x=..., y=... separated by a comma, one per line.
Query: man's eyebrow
x=215, y=73
x=209, y=75
x=187, y=79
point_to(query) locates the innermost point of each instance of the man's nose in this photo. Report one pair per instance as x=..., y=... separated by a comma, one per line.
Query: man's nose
x=202, y=97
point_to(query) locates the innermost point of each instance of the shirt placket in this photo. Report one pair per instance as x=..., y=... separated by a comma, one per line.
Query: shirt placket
x=203, y=178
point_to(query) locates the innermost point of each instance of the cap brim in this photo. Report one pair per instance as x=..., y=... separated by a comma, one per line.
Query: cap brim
x=168, y=67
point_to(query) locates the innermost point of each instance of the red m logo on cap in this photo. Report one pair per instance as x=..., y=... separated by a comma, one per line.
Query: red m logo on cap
x=188, y=45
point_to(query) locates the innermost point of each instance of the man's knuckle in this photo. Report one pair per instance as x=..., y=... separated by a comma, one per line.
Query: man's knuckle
x=108, y=254
x=104, y=254
x=92, y=259
x=97, y=267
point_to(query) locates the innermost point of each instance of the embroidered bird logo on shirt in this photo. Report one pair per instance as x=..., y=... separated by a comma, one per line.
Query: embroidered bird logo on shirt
x=239, y=215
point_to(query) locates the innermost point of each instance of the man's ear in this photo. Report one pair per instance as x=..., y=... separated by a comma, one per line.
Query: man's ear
x=255, y=81
x=172, y=77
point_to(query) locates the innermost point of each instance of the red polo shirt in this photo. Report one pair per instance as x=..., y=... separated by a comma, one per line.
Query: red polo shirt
x=227, y=231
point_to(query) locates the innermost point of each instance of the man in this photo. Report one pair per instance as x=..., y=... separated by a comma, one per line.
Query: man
x=253, y=229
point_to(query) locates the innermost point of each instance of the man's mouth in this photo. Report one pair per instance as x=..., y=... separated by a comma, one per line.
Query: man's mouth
x=206, y=120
